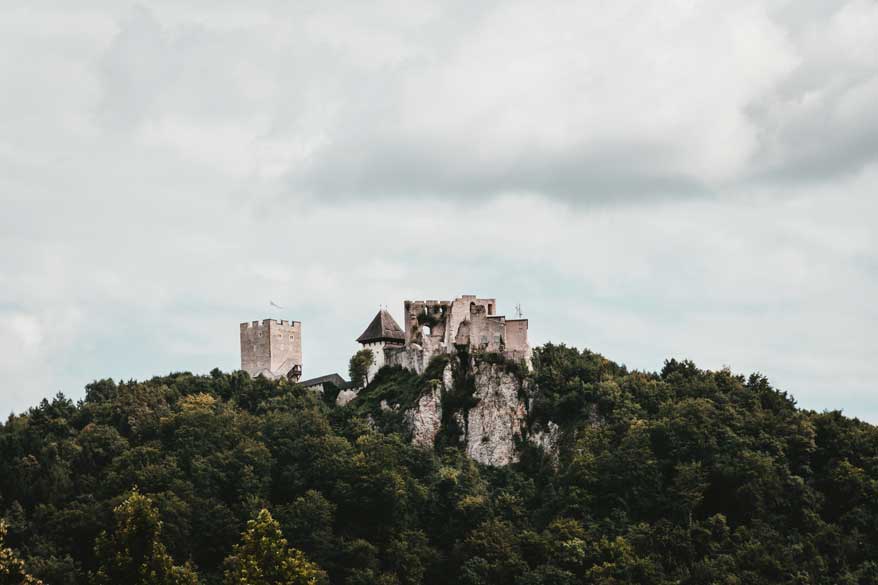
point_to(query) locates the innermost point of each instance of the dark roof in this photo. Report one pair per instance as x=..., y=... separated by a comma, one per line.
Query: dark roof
x=335, y=379
x=382, y=328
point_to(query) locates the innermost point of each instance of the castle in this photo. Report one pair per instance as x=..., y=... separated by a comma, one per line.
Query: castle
x=274, y=348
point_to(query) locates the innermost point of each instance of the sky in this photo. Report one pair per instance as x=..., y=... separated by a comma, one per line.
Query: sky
x=658, y=180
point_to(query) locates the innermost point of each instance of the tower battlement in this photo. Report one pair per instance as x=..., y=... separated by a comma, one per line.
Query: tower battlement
x=265, y=323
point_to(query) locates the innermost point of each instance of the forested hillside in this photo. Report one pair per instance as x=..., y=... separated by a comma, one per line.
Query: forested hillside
x=679, y=477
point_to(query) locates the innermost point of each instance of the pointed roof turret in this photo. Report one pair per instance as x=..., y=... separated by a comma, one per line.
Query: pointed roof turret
x=382, y=328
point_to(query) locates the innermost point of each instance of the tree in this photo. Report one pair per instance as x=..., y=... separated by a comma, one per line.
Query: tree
x=263, y=557
x=359, y=367
x=688, y=488
x=134, y=554
x=11, y=567
x=686, y=476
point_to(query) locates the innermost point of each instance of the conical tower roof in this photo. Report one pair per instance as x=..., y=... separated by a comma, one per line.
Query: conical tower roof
x=382, y=328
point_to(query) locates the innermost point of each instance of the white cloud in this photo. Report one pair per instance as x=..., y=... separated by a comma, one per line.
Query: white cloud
x=690, y=180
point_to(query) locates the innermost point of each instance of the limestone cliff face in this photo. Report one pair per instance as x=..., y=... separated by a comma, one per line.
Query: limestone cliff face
x=490, y=428
x=497, y=421
x=425, y=419
x=546, y=437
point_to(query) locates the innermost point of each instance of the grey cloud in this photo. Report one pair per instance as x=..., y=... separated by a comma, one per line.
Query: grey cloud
x=818, y=122
x=441, y=102
x=155, y=161
x=421, y=171
x=139, y=62
x=819, y=143
x=375, y=151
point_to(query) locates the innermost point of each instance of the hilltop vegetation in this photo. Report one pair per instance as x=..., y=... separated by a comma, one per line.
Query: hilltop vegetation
x=682, y=477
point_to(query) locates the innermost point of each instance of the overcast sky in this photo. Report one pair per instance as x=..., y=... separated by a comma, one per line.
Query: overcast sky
x=647, y=179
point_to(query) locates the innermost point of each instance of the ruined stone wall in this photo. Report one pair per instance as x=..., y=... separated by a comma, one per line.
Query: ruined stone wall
x=409, y=357
x=440, y=319
x=437, y=326
x=516, y=335
x=459, y=311
x=416, y=312
x=271, y=348
x=482, y=332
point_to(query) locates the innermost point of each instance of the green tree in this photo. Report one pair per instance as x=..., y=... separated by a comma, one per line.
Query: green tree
x=11, y=567
x=133, y=553
x=263, y=557
x=359, y=367
x=688, y=487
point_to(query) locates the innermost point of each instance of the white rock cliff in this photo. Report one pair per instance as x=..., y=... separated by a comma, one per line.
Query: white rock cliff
x=490, y=429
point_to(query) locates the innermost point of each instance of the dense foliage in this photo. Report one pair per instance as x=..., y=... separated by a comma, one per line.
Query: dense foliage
x=133, y=553
x=263, y=558
x=12, y=567
x=678, y=477
x=358, y=368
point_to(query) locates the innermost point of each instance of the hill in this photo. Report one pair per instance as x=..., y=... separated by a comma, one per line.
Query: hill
x=682, y=476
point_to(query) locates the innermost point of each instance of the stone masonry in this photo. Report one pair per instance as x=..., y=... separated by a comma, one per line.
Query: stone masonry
x=434, y=327
x=272, y=348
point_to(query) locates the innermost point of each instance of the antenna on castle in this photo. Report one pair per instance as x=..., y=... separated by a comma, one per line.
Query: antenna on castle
x=518, y=313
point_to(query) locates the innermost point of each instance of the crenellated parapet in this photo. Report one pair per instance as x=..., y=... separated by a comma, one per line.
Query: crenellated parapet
x=266, y=322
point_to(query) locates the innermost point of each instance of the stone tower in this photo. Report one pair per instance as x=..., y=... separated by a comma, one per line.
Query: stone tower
x=383, y=332
x=272, y=348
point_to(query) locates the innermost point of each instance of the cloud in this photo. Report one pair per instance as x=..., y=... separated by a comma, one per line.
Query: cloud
x=817, y=122
x=585, y=105
x=546, y=101
x=33, y=351
x=690, y=180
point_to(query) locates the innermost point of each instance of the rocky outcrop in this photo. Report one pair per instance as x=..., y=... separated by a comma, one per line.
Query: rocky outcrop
x=345, y=396
x=546, y=438
x=425, y=418
x=490, y=429
x=496, y=422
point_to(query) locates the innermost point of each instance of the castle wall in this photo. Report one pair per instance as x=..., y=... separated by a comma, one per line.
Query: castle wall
x=516, y=335
x=459, y=312
x=481, y=331
x=270, y=347
x=255, y=352
x=414, y=329
x=407, y=357
x=378, y=354
x=435, y=327
x=286, y=346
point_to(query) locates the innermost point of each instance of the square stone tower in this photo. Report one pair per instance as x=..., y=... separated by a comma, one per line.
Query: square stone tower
x=272, y=348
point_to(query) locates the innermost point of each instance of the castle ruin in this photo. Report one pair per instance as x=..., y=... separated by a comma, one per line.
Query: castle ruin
x=434, y=327
x=273, y=348
x=467, y=326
